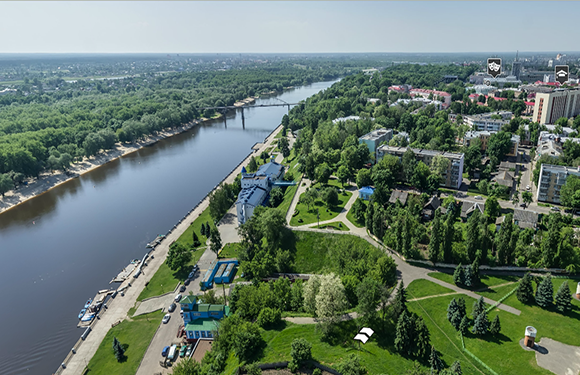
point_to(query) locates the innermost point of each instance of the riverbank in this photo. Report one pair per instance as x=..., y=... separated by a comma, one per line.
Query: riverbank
x=119, y=307
x=48, y=180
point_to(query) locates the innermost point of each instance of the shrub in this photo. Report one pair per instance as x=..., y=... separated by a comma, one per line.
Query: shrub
x=253, y=369
x=269, y=317
x=351, y=366
x=301, y=351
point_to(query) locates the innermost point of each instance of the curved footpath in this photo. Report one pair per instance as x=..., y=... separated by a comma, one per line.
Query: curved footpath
x=406, y=272
x=119, y=307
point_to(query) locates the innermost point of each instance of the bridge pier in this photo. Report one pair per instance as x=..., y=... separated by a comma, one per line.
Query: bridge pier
x=243, y=119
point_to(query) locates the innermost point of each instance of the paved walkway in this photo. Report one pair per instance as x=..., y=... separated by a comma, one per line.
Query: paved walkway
x=561, y=359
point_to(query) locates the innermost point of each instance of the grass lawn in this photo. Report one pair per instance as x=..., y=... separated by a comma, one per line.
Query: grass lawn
x=309, y=217
x=333, y=225
x=186, y=238
x=486, y=280
x=314, y=251
x=135, y=336
x=289, y=195
x=352, y=219
x=230, y=250
x=423, y=288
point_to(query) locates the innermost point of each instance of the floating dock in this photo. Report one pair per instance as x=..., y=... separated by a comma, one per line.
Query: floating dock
x=126, y=273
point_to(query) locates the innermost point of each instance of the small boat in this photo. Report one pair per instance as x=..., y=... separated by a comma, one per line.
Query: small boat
x=89, y=301
x=83, y=311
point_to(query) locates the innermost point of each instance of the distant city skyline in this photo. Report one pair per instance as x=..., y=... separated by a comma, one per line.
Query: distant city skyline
x=283, y=27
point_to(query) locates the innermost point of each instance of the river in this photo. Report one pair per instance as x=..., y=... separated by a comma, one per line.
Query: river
x=59, y=248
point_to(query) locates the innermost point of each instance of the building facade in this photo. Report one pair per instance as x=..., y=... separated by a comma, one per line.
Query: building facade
x=551, y=106
x=484, y=137
x=552, y=178
x=452, y=177
x=201, y=319
x=375, y=138
x=256, y=188
x=484, y=122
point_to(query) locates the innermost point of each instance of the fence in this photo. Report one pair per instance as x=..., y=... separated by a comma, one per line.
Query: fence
x=475, y=357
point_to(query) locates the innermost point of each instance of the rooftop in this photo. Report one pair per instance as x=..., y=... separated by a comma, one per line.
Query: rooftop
x=202, y=325
x=253, y=195
x=396, y=150
x=375, y=134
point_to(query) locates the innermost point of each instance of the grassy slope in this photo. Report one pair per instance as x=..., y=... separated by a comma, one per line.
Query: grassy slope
x=423, y=288
x=230, y=250
x=137, y=334
x=333, y=225
x=309, y=217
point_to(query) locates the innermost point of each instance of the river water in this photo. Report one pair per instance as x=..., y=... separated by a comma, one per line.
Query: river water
x=58, y=249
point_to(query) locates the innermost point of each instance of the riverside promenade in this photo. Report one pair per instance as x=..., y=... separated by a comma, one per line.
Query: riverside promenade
x=118, y=308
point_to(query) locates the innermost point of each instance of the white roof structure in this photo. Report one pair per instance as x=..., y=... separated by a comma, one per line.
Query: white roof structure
x=361, y=337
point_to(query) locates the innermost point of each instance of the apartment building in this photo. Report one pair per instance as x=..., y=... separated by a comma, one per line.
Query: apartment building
x=552, y=178
x=484, y=137
x=452, y=178
x=375, y=138
x=551, y=106
x=484, y=122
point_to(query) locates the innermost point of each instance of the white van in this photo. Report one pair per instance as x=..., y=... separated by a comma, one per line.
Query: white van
x=172, y=352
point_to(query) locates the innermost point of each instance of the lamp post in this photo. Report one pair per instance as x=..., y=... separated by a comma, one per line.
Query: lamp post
x=318, y=217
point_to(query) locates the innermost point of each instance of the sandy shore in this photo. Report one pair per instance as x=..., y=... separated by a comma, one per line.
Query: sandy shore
x=47, y=180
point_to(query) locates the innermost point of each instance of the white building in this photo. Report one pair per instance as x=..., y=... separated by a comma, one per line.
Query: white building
x=256, y=187
x=552, y=178
x=484, y=122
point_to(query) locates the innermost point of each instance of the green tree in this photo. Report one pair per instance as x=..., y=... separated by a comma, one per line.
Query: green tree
x=435, y=361
x=452, y=308
x=400, y=302
x=369, y=295
x=118, y=350
x=247, y=341
x=492, y=208
x=284, y=147
x=196, y=242
x=421, y=176
x=570, y=192
x=330, y=302
x=404, y=334
x=6, y=184
x=276, y=196
x=472, y=242
x=358, y=210
x=436, y=238
x=178, y=256
x=385, y=271
x=495, y=326
x=527, y=197
x=464, y=325
x=525, y=290
x=478, y=307
x=268, y=317
x=301, y=351
x=505, y=243
x=351, y=366
x=545, y=292
x=379, y=222
x=499, y=145
x=459, y=275
x=370, y=216
x=330, y=196
x=323, y=173
x=187, y=366
x=448, y=231
x=563, y=298
x=215, y=241
x=409, y=163
x=468, y=276
x=363, y=178
x=481, y=324
x=422, y=338
x=455, y=368
x=252, y=165
x=343, y=174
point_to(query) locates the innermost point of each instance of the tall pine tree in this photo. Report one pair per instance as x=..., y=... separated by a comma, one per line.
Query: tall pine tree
x=455, y=368
x=504, y=241
x=118, y=350
x=451, y=309
x=370, y=216
x=550, y=242
x=422, y=338
x=464, y=326
x=403, y=334
x=448, y=232
x=563, y=298
x=473, y=241
x=525, y=291
x=435, y=361
x=400, y=303
x=545, y=292
x=481, y=324
x=459, y=275
x=478, y=307
x=436, y=240
x=495, y=327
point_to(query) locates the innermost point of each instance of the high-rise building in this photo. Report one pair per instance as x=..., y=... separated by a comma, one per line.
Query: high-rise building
x=552, y=178
x=551, y=106
x=517, y=67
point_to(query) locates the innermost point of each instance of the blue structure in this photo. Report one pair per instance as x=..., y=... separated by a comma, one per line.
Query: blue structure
x=256, y=188
x=366, y=192
x=216, y=271
x=200, y=319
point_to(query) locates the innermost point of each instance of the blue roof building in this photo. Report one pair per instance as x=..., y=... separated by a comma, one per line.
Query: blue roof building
x=200, y=319
x=366, y=192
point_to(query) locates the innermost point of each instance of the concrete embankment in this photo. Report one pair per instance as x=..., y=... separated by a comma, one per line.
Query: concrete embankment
x=118, y=308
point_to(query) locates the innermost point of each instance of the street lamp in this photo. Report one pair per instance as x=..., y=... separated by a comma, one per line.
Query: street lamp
x=364, y=335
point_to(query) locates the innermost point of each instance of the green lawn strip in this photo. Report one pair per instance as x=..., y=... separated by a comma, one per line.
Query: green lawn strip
x=186, y=238
x=136, y=335
x=423, y=288
x=309, y=216
x=486, y=280
x=333, y=225
x=443, y=335
x=230, y=250
x=353, y=220
x=289, y=195
x=377, y=359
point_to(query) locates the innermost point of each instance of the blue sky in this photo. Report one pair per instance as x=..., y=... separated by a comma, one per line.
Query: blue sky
x=238, y=26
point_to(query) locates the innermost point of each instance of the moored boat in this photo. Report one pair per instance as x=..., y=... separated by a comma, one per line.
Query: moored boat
x=89, y=301
x=83, y=311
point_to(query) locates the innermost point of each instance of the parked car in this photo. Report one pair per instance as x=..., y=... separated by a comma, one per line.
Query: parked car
x=186, y=282
x=182, y=289
x=189, y=350
x=166, y=318
x=568, y=210
x=182, y=351
x=527, y=187
x=165, y=351
x=523, y=205
x=172, y=307
x=177, y=298
x=555, y=209
x=172, y=352
x=191, y=275
x=478, y=197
